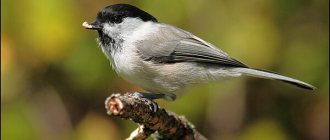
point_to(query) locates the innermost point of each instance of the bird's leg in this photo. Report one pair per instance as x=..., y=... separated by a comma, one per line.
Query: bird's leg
x=150, y=96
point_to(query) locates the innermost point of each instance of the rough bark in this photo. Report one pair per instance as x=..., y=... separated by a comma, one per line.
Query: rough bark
x=152, y=120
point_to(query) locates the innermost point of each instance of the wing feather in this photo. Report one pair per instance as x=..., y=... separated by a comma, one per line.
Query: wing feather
x=173, y=45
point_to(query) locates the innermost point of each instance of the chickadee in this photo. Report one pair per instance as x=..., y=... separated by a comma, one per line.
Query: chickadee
x=162, y=58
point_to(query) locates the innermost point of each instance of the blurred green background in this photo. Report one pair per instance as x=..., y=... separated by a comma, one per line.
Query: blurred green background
x=54, y=78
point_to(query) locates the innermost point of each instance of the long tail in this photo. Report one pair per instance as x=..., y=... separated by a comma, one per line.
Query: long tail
x=274, y=76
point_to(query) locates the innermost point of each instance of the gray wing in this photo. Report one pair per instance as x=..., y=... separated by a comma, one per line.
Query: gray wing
x=173, y=45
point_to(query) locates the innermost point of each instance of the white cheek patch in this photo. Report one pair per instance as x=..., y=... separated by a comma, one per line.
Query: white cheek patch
x=107, y=29
x=112, y=31
x=131, y=29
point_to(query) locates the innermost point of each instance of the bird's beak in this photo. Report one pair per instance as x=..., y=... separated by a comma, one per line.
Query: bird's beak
x=92, y=25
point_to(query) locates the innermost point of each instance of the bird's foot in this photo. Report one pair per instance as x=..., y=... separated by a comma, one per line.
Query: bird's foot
x=148, y=99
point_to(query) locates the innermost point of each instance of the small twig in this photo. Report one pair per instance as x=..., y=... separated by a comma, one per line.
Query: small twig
x=151, y=119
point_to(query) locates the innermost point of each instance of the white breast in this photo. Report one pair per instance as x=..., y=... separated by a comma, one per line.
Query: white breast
x=126, y=62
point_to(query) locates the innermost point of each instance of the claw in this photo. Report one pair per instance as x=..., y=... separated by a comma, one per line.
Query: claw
x=148, y=99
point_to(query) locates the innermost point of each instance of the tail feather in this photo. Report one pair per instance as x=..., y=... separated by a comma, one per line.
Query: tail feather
x=274, y=76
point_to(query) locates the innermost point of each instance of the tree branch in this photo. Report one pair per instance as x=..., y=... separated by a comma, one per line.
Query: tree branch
x=151, y=119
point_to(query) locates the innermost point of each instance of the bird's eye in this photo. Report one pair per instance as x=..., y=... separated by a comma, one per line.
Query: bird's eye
x=115, y=19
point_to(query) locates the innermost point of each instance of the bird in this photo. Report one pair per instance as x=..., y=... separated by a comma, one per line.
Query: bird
x=164, y=59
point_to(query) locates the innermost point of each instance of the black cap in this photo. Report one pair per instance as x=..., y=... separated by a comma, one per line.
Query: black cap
x=116, y=13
